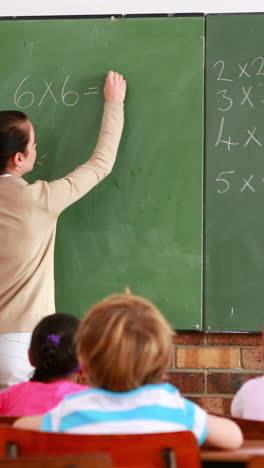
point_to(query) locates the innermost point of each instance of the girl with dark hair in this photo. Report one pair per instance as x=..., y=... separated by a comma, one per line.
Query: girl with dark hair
x=28, y=218
x=52, y=353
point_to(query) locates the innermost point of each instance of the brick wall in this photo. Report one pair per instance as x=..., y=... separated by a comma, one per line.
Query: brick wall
x=210, y=368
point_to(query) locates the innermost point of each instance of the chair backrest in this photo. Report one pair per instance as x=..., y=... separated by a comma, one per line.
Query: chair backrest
x=178, y=449
x=256, y=462
x=93, y=460
x=8, y=420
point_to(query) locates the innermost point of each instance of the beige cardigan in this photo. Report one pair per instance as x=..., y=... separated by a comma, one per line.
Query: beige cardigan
x=28, y=218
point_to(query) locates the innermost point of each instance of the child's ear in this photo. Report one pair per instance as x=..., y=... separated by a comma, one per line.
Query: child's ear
x=83, y=366
x=84, y=371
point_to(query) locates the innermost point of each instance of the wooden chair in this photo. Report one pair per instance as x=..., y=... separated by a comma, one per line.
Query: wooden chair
x=256, y=462
x=178, y=449
x=8, y=420
x=93, y=460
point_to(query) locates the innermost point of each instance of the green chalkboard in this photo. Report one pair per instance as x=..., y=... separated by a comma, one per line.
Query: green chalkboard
x=234, y=172
x=142, y=226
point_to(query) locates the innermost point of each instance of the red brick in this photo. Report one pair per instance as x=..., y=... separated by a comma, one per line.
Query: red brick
x=206, y=358
x=189, y=338
x=213, y=404
x=188, y=382
x=226, y=382
x=252, y=358
x=234, y=339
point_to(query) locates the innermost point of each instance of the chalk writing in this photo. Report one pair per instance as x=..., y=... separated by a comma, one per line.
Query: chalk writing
x=247, y=96
x=41, y=158
x=229, y=102
x=247, y=184
x=246, y=70
x=223, y=180
x=228, y=180
x=69, y=97
x=227, y=142
x=222, y=66
x=243, y=91
x=18, y=99
x=261, y=59
x=243, y=70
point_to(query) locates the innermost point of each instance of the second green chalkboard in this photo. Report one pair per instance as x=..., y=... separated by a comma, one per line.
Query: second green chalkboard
x=235, y=173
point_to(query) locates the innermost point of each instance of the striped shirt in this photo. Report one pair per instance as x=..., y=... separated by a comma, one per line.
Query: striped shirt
x=148, y=409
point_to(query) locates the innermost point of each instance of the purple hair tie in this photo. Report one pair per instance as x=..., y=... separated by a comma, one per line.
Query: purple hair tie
x=76, y=369
x=54, y=338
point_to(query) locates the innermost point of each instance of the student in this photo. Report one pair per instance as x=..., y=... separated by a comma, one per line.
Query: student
x=28, y=217
x=248, y=402
x=52, y=353
x=124, y=347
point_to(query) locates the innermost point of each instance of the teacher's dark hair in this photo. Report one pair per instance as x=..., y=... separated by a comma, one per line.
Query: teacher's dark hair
x=14, y=135
x=52, y=347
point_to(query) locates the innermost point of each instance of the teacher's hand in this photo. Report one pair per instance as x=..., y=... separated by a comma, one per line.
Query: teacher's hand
x=115, y=87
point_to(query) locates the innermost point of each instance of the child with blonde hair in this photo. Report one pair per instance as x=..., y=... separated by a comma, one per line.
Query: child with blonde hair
x=124, y=348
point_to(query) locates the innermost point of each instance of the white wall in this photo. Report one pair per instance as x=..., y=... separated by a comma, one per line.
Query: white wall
x=89, y=7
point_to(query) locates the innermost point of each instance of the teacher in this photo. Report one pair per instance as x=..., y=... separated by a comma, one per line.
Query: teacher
x=28, y=218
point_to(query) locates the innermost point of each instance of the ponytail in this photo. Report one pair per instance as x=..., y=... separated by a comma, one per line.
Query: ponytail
x=52, y=348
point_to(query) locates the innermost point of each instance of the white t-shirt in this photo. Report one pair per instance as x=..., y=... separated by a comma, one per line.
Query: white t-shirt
x=248, y=403
x=14, y=363
x=148, y=409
